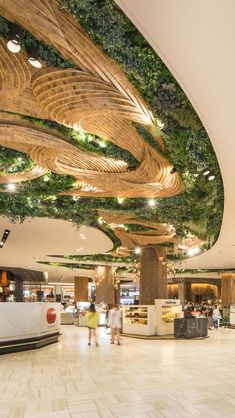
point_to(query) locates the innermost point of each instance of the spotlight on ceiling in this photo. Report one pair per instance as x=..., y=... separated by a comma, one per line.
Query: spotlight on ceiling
x=211, y=177
x=14, y=38
x=137, y=250
x=173, y=170
x=206, y=172
x=33, y=57
x=151, y=202
x=4, y=237
x=120, y=200
x=11, y=186
x=193, y=251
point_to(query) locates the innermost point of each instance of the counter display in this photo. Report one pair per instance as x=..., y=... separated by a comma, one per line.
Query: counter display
x=166, y=311
x=138, y=319
x=28, y=325
x=190, y=327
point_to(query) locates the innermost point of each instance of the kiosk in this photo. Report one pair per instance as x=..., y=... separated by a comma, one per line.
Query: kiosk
x=166, y=311
x=25, y=326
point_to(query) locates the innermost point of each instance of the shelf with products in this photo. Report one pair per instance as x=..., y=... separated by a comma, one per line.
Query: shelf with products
x=138, y=320
x=167, y=310
x=169, y=313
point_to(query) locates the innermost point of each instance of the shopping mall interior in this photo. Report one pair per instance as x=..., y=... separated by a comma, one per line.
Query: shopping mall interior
x=117, y=256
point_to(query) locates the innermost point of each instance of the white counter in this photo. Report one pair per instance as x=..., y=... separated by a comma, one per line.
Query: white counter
x=32, y=322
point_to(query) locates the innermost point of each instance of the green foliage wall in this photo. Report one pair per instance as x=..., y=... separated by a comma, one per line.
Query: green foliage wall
x=198, y=209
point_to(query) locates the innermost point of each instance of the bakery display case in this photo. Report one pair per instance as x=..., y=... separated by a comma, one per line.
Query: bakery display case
x=138, y=319
x=167, y=310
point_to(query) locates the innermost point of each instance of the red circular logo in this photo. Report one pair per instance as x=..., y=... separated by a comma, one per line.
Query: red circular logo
x=51, y=315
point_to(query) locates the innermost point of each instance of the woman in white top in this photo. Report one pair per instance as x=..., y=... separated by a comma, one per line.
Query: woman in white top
x=114, y=321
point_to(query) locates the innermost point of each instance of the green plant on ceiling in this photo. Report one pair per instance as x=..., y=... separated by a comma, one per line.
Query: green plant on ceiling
x=199, y=209
x=12, y=162
x=187, y=144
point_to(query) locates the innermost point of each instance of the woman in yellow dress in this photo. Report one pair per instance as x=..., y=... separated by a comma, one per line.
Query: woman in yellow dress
x=92, y=317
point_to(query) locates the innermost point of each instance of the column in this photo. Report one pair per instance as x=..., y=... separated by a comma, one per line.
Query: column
x=81, y=289
x=181, y=293
x=227, y=288
x=105, y=290
x=188, y=292
x=18, y=289
x=58, y=293
x=153, y=278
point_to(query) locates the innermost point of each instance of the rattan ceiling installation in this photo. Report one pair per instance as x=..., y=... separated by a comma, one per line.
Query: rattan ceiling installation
x=96, y=97
x=158, y=234
x=32, y=174
x=14, y=72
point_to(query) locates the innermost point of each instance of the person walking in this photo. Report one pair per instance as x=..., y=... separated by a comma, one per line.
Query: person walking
x=216, y=317
x=115, y=323
x=92, y=317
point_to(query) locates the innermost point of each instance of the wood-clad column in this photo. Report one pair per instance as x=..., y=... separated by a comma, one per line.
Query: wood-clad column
x=188, y=292
x=181, y=292
x=81, y=289
x=227, y=282
x=105, y=290
x=153, y=280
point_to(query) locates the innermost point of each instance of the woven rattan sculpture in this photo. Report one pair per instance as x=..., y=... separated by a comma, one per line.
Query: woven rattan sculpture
x=96, y=96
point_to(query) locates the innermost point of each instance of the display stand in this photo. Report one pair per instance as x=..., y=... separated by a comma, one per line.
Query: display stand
x=166, y=311
x=139, y=319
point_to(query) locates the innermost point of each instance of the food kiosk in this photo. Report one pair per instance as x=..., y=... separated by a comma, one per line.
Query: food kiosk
x=138, y=319
x=166, y=311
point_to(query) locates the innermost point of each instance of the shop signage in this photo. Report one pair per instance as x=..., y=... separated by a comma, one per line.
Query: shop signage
x=171, y=302
x=51, y=315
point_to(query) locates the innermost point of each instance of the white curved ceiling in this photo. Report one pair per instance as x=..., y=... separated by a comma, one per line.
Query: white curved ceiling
x=35, y=239
x=196, y=40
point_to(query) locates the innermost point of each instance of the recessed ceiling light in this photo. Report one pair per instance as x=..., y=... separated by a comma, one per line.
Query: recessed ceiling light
x=120, y=200
x=211, y=177
x=137, y=250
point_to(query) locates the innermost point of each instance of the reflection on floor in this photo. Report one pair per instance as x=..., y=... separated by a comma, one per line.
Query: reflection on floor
x=138, y=379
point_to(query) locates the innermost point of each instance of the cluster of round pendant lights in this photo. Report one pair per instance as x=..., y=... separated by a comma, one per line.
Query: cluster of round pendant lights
x=208, y=174
x=14, y=45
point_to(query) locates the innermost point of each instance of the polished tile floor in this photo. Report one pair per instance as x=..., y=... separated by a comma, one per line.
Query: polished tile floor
x=175, y=379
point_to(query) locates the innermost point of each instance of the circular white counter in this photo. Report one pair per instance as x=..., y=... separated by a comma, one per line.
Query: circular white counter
x=25, y=326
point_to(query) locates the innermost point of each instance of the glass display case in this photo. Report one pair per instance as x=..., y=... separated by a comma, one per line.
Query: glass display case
x=138, y=320
x=169, y=313
x=166, y=311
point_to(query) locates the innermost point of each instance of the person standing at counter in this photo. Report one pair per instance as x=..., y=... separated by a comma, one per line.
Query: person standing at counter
x=92, y=317
x=114, y=321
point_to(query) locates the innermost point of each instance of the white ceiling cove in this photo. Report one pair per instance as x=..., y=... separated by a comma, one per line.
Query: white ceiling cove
x=35, y=239
x=196, y=40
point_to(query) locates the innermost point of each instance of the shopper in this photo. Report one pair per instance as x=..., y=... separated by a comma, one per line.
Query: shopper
x=92, y=317
x=114, y=321
x=216, y=317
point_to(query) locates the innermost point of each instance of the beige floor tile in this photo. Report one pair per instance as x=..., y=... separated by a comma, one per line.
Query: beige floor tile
x=140, y=379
